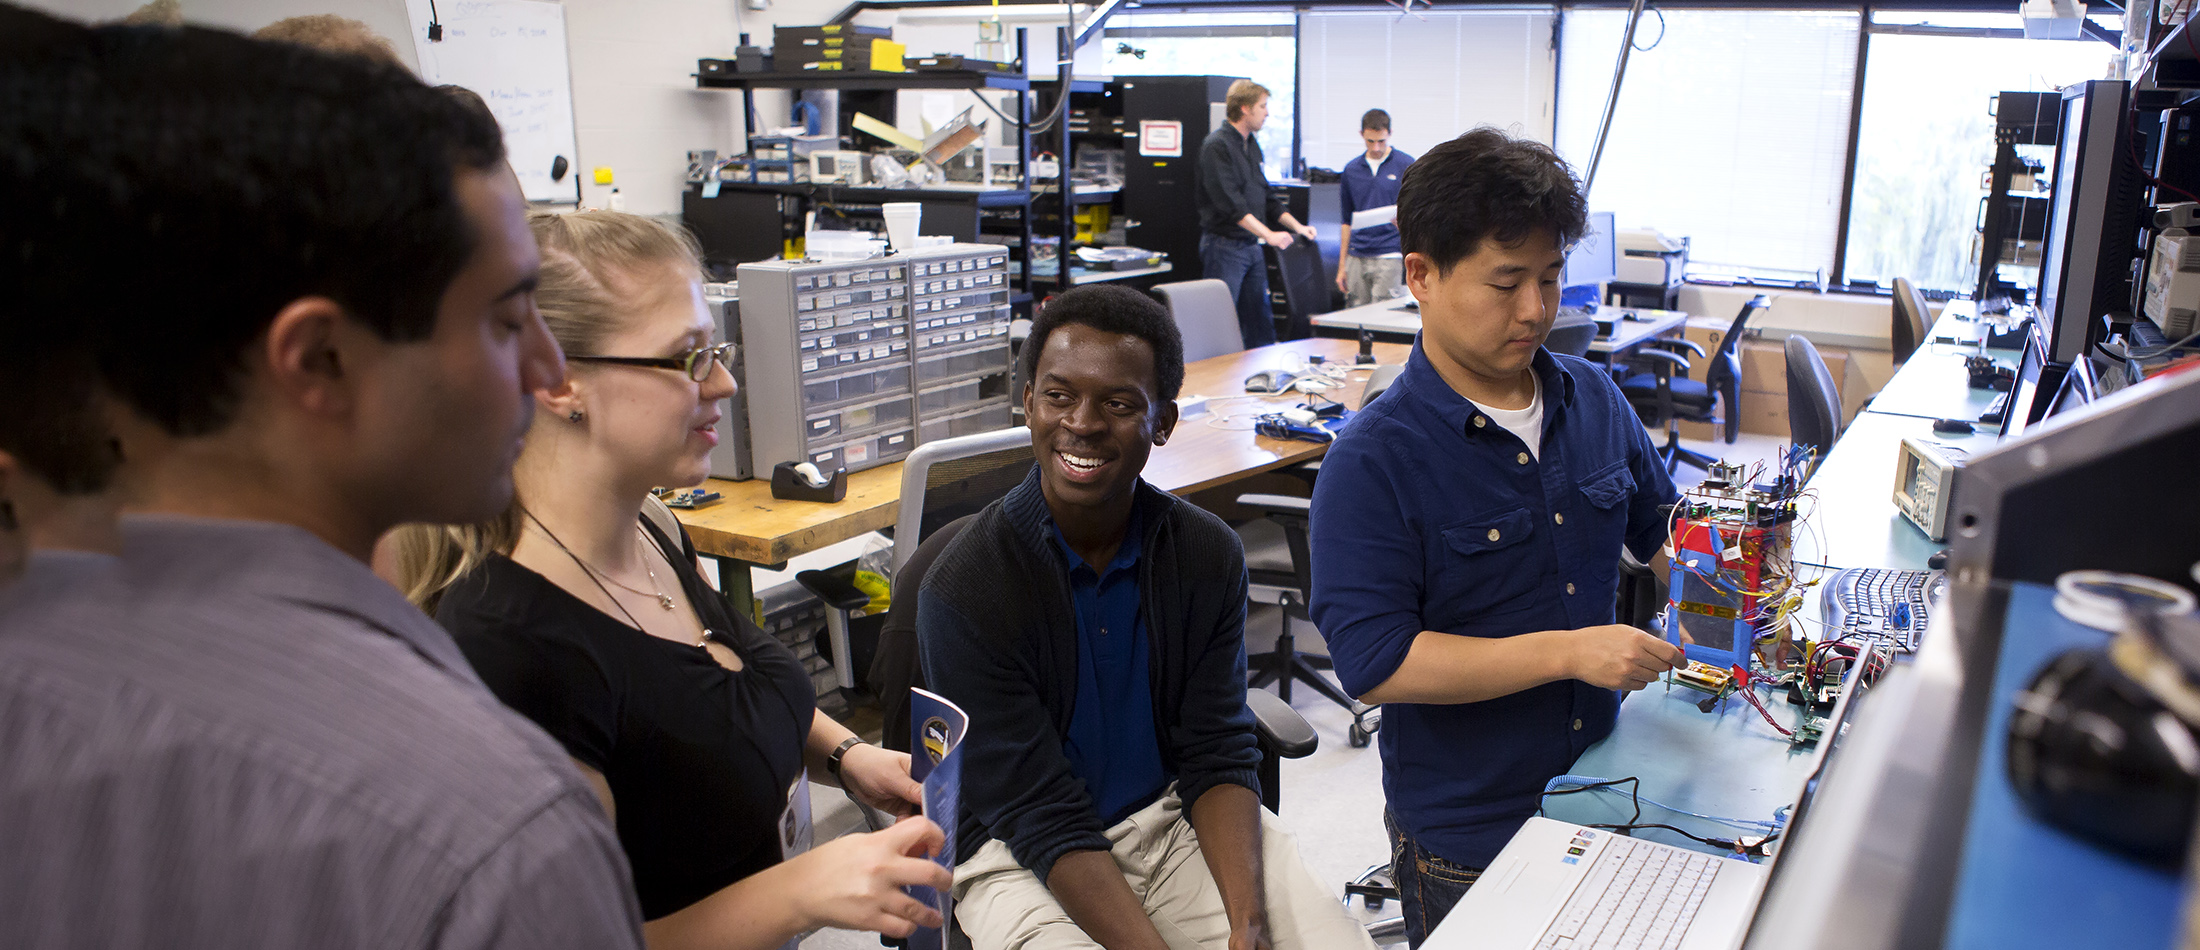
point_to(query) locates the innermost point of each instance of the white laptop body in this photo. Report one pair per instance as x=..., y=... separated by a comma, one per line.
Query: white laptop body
x=1532, y=886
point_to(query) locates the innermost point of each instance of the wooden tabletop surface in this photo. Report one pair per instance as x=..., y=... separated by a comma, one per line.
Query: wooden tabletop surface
x=1209, y=450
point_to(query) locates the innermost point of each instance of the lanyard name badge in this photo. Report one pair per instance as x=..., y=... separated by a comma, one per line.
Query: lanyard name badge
x=795, y=831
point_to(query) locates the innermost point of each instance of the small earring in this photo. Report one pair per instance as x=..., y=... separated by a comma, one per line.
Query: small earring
x=574, y=416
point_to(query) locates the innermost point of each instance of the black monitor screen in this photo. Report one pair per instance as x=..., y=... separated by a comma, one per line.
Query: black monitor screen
x=2018, y=413
x=1595, y=258
x=2092, y=225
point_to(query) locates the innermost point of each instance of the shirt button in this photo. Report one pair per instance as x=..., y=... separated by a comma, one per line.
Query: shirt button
x=1569, y=589
x=1577, y=725
x=1493, y=534
x=1523, y=458
x=1558, y=517
x=1479, y=422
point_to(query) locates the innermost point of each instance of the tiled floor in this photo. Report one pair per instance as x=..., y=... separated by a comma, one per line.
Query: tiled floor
x=1333, y=799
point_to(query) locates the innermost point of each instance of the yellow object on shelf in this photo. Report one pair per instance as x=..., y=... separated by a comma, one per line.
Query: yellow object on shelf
x=603, y=174
x=886, y=56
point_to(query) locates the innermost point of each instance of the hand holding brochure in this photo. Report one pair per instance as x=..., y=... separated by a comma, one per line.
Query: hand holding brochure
x=936, y=727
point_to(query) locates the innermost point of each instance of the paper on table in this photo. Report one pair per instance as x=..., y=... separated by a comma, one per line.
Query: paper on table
x=1374, y=216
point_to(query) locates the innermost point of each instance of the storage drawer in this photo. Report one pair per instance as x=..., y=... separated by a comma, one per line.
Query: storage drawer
x=826, y=425
x=878, y=450
x=887, y=380
x=989, y=419
x=993, y=358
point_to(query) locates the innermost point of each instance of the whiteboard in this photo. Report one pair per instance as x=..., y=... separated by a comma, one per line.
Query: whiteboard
x=513, y=53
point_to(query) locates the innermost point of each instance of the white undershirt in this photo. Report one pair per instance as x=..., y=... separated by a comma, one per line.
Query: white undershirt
x=1375, y=165
x=1525, y=423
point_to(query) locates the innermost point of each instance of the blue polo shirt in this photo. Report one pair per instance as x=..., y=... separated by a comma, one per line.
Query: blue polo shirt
x=1112, y=744
x=1431, y=516
x=1366, y=188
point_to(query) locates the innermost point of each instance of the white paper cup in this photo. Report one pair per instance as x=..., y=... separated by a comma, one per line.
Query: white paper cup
x=901, y=223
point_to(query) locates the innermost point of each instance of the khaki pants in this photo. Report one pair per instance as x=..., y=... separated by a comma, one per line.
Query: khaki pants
x=1369, y=279
x=1002, y=906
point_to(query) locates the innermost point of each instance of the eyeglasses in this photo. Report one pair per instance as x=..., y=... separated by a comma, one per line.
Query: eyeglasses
x=696, y=363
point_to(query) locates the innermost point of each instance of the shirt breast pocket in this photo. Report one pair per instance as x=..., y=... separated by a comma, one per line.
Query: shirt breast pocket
x=1486, y=565
x=1606, y=495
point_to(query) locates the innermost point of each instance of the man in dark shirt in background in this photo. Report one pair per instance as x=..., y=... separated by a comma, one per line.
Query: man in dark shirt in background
x=1467, y=525
x=1235, y=208
x=233, y=734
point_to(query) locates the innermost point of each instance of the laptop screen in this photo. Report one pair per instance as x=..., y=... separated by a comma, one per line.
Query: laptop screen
x=1873, y=660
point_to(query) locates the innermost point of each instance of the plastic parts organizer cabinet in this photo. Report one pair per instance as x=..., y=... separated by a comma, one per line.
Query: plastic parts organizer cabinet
x=853, y=363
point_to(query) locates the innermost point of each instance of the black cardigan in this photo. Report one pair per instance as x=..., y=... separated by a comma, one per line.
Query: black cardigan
x=999, y=637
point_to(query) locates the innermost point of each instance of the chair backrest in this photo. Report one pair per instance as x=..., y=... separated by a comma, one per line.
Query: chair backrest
x=1725, y=366
x=1206, y=316
x=1572, y=334
x=1305, y=292
x=1380, y=380
x=1909, y=319
x=945, y=480
x=1814, y=405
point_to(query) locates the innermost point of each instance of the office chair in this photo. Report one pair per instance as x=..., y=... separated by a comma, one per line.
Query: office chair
x=1814, y=405
x=1305, y=291
x=1665, y=395
x=1572, y=334
x=1378, y=382
x=1205, y=315
x=1909, y=319
x=940, y=482
x=943, y=483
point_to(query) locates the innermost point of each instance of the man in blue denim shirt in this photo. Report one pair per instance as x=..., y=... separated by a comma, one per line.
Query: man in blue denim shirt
x=1467, y=526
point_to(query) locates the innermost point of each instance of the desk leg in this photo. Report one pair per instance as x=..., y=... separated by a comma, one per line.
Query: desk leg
x=734, y=582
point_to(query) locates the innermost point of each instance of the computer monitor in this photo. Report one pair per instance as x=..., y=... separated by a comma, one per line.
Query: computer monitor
x=2079, y=386
x=2024, y=405
x=1894, y=816
x=2093, y=221
x=1595, y=258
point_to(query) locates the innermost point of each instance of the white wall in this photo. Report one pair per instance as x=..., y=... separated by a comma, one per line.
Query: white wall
x=634, y=98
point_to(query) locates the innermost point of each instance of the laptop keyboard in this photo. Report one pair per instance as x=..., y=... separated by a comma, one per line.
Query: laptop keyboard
x=1637, y=895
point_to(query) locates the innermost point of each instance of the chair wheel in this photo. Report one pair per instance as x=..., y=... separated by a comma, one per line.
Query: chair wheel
x=1356, y=736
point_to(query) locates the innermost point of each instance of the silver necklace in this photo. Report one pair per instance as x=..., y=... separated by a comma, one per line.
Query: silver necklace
x=593, y=577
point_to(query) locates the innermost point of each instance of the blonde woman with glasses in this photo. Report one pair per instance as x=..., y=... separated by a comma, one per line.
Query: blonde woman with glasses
x=695, y=726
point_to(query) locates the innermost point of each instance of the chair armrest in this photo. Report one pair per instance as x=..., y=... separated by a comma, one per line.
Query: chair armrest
x=1281, y=727
x=837, y=592
x=1676, y=346
x=1268, y=505
x=1673, y=361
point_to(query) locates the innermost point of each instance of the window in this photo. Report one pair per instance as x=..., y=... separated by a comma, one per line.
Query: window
x=1926, y=142
x=1732, y=130
x=1437, y=74
x=1258, y=46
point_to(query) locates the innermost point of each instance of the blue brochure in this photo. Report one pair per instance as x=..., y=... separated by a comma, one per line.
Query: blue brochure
x=936, y=727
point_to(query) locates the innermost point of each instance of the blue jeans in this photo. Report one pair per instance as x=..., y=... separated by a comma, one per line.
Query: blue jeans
x=1243, y=266
x=1428, y=886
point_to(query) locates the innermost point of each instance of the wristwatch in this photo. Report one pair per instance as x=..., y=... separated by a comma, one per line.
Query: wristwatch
x=832, y=762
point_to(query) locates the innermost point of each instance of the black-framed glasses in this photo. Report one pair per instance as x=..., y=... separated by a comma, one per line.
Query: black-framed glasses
x=695, y=363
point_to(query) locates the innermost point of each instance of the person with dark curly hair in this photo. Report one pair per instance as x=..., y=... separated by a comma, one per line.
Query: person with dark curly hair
x=1467, y=525
x=1093, y=626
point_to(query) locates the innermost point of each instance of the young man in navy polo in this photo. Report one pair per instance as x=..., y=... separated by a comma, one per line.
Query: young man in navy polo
x=1467, y=526
x=1372, y=267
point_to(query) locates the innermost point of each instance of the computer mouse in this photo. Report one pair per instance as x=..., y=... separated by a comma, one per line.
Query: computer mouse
x=1269, y=381
x=1953, y=427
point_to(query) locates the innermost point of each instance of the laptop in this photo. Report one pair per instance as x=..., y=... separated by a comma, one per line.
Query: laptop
x=1558, y=885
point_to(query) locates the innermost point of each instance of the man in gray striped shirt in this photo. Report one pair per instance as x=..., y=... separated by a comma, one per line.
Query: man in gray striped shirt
x=232, y=734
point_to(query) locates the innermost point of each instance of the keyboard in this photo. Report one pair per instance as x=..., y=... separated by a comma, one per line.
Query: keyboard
x=1877, y=602
x=1638, y=896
